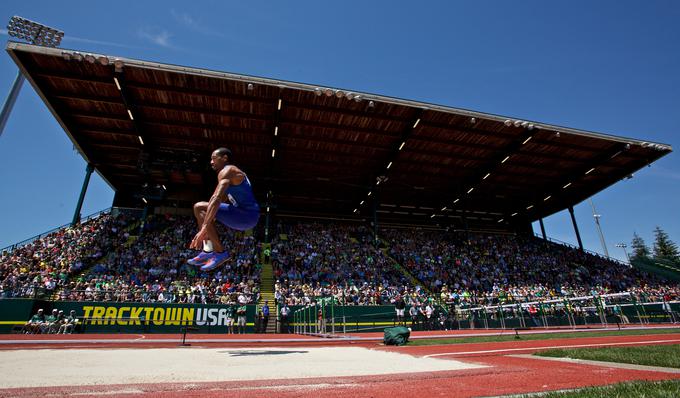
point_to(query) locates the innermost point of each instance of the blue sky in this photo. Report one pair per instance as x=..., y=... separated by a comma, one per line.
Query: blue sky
x=605, y=66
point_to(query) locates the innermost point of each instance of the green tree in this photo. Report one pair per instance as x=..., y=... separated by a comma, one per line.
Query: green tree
x=640, y=249
x=664, y=247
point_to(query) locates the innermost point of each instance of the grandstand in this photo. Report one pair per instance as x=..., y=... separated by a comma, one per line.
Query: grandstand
x=366, y=199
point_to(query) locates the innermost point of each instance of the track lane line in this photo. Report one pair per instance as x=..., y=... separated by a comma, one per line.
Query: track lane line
x=551, y=347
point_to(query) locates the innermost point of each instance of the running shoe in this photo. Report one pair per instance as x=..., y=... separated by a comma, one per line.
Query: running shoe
x=200, y=259
x=215, y=261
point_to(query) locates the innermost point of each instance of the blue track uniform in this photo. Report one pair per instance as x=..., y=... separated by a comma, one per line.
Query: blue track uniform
x=242, y=211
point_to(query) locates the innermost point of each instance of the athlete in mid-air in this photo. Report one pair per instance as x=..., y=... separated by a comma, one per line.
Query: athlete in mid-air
x=233, y=204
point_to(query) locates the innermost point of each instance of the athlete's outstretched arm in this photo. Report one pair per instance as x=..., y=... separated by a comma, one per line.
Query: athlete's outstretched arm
x=218, y=197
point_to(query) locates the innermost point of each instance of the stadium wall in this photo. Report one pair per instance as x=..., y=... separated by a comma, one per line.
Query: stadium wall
x=114, y=317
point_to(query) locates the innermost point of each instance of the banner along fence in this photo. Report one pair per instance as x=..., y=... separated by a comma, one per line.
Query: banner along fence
x=325, y=316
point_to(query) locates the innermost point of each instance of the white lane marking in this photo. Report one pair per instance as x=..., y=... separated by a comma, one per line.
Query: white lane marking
x=605, y=364
x=100, y=393
x=553, y=346
x=300, y=386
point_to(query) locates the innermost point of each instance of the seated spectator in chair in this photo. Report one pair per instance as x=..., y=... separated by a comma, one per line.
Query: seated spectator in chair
x=69, y=323
x=56, y=325
x=50, y=320
x=35, y=324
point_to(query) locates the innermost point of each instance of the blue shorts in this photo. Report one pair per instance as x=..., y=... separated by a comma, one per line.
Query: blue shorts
x=236, y=217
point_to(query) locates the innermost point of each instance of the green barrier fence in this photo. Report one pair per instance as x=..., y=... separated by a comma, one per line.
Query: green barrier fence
x=325, y=316
x=110, y=317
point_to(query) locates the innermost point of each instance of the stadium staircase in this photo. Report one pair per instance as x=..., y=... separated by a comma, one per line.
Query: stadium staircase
x=131, y=240
x=267, y=293
x=412, y=279
x=384, y=247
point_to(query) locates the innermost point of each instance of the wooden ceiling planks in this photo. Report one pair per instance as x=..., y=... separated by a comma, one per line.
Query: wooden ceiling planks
x=322, y=141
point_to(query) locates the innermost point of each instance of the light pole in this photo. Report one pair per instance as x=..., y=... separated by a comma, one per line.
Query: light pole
x=34, y=33
x=623, y=246
x=599, y=228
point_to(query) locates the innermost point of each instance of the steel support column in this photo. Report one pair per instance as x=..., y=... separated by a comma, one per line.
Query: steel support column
x=540, y=221
x=573, y=221
x=11, y=99
x=76, y=215
x=376, y=240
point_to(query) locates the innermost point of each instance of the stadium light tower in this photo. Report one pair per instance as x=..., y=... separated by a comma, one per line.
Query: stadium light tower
x=599, y=228
x=623, y=246
x=34, y=33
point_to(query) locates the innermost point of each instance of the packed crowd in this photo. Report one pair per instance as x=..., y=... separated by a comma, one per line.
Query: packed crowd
x=321, y=260
x=47, y=263
x=109, y=259
x=482, y=268
x=153, y=268
x=104, y=260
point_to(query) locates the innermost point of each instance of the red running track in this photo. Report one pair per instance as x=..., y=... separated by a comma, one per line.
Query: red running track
x=505, y=375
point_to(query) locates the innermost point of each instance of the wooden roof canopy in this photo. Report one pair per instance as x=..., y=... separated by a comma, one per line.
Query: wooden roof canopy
x=318, y=150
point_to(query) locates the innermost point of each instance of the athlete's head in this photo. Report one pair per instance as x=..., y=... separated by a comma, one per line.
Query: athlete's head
x=220, y=158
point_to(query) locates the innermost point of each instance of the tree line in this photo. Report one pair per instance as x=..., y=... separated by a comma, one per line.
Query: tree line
x=664, y=248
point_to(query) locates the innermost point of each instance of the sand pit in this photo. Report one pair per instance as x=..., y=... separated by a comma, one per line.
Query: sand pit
x=36, y=368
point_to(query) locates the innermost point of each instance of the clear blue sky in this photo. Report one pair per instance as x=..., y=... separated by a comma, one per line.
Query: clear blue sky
x=606, y=66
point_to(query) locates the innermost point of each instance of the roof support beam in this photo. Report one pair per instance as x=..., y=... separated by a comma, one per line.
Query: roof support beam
x=275, y=147
x=381, y=174
x=468, y=185
x=558, y=188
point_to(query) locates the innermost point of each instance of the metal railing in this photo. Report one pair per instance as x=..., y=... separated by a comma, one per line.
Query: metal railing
x=110, y=210
x=25, y=242
x=600, y=311
x=119, y=296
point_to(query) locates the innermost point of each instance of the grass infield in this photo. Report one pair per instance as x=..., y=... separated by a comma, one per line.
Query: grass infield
x=509, y=336
x=653, y=355
x=646, y=389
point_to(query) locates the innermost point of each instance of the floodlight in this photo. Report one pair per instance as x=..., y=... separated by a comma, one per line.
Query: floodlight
x=33, y=32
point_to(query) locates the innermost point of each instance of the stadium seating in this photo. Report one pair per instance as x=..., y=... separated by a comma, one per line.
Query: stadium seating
x=104, y=260
x=319, y=260
x=47, y=263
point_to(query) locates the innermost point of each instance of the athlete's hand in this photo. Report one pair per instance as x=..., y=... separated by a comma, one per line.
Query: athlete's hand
x=197, y=242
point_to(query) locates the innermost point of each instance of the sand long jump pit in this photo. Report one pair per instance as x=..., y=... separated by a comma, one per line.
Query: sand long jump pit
x=48, y=367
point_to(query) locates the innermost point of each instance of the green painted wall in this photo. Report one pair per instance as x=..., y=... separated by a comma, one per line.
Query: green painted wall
x=107, y=317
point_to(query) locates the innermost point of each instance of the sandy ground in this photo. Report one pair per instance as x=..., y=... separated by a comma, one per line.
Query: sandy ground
x=37, y=368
